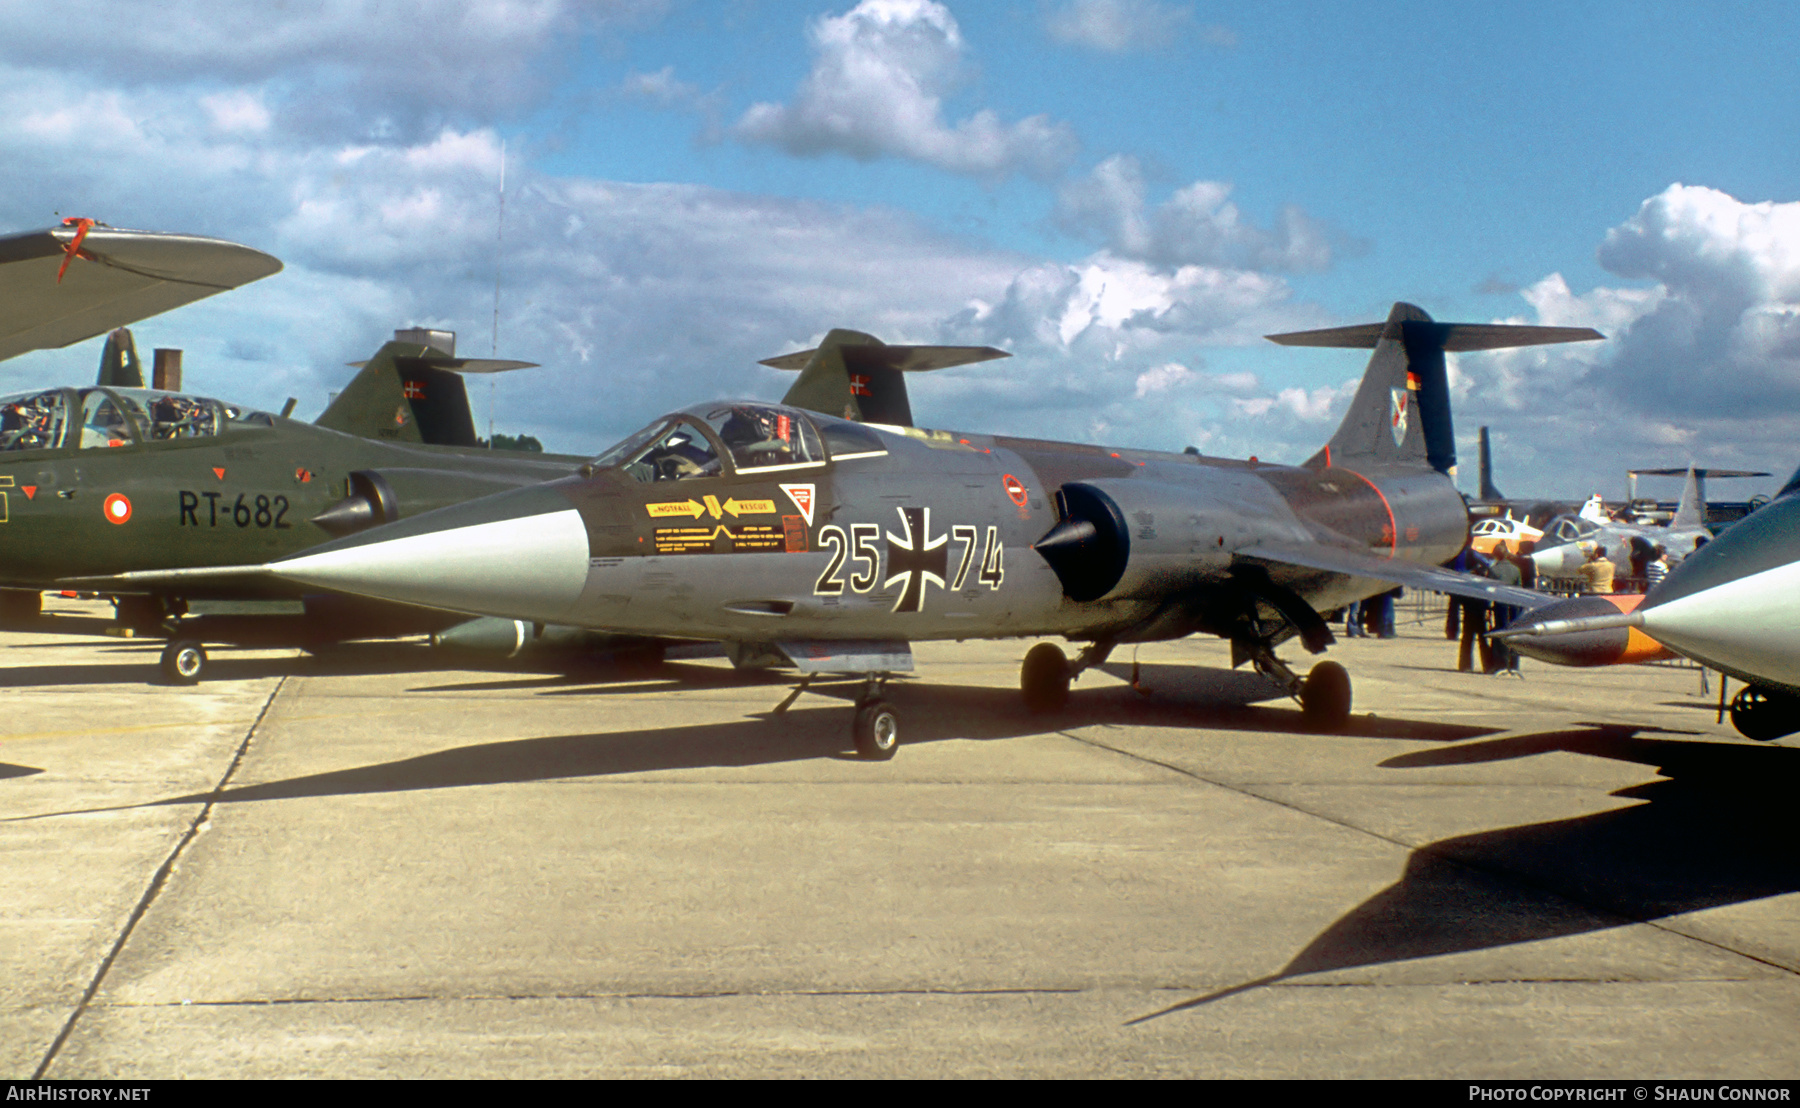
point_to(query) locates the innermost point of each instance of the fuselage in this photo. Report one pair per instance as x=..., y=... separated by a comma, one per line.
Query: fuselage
x=230, y=486
x=886, y=533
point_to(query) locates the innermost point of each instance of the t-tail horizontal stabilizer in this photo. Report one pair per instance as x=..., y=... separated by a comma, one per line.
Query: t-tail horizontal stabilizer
x=1401, y=413
x=412, y=391
x=859, y=377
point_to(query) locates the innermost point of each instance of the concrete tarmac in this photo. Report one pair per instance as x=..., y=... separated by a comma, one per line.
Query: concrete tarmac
x=359, y=865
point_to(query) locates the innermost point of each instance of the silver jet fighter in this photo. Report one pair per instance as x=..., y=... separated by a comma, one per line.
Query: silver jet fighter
x=1569, y=539
x=1733, y=605
x=798, y=538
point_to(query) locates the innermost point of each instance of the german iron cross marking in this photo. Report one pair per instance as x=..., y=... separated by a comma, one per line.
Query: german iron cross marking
x=916, y=558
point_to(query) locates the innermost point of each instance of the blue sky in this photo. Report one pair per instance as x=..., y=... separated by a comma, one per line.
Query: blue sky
x=1125, y=193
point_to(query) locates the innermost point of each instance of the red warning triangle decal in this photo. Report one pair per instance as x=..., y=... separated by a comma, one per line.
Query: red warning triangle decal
x=802, y=496
x=219, y=473
x=30, y=491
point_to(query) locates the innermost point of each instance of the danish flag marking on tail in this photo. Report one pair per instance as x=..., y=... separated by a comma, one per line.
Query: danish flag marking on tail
x=802, y=496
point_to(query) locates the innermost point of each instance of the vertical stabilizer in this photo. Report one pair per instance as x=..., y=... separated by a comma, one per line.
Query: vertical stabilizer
x=1691, y=512
x=1488, y=491
x=119, y=367
x=412, y=391
x=374, y=404
x=857, y=376
x=1401, y=412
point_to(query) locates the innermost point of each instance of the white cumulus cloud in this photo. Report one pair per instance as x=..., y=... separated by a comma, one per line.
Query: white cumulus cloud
x=881, y=74
x=1701, y=364
x=1197, y=225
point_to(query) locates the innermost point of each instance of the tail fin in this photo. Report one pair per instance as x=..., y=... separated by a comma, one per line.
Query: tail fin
x=1488, y=491
x=1401, y=413
x=859, y=377
x=119, y=367
x=412, y=391
x=1691, y=512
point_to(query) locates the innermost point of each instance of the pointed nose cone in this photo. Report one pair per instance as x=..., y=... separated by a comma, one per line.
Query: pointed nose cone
x=1735, y=603
x=1559, y=561
x=1600, y=647
x=517, y=555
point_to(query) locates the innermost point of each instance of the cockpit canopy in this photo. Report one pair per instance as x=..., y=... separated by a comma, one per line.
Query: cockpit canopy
x=96, y=417
x=1566, y=528
x=755, y=437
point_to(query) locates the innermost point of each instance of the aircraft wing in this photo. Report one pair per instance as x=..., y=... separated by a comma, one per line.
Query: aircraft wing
x=116, y=277
x=1354, y=563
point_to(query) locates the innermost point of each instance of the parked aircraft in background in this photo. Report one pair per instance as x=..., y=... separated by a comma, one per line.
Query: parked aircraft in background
x=107, y=478
x=1716, y=514
x=1568, y=540
x=1489, y=533
x=799, y=537
x=101, y=480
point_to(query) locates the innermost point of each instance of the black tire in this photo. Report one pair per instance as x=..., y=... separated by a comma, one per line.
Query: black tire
x=1044, y=679
x=183, y=662
x=1764, y=715
x=20, y=605
x=1325, y=697
x=877, y=730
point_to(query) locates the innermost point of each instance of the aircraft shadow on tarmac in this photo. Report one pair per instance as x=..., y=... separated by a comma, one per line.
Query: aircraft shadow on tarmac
x=1188, y=698
x=1716, y=831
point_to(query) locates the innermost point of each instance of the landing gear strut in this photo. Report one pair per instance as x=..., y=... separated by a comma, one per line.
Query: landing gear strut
x=1324, y=694
x=1044, y=678
x=876, y=727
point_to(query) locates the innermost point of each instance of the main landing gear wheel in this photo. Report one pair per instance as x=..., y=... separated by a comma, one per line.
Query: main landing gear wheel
x=1044, y=679
x=1325, y=697
x=183, y=662
x=877, y=730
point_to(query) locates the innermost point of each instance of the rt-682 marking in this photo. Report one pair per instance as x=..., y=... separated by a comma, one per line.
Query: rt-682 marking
x=263, y=511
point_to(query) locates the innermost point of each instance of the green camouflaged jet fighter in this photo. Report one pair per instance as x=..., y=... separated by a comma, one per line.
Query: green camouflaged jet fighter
x=115, y=477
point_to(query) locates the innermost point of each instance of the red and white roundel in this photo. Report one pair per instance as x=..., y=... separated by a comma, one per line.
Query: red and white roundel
x=1015, y=489
x=117, y=508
